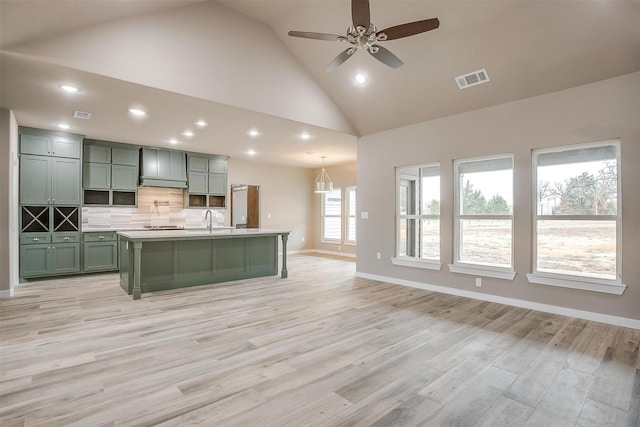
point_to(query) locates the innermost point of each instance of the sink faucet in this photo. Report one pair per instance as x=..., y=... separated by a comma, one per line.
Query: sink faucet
x=209, y=214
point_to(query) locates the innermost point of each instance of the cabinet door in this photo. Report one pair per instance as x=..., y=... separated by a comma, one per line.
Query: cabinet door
x=64, y=146
x=198, y=182
x=97, y=154
x=124, y=177
x=96, y=175
x=218, y=165
x=217, y=183
x=122, y=156
x=35, y=186
x=66, y=258
x=35, y=260
x=65, y=181
x=101, y=256
x=35, y=144
x=198, y=164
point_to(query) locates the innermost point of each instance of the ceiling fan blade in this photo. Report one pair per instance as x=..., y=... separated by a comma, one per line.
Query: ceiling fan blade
x=410, y=29
x=339, y=60
x=386, y=57
x=315, y=36
x=360, y=13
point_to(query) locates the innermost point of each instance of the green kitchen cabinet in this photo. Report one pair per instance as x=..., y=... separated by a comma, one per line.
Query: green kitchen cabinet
x=207, y=181
x=100, y=252
x=163, y=168
x=49, y=143
x=218, y=184
x=48, y=259
x=49, y=180
x=110, y=173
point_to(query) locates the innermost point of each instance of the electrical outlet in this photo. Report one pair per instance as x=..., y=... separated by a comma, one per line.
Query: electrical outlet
x=378, y=255
x=303, y=238
x=364, y=215
x=478, y=282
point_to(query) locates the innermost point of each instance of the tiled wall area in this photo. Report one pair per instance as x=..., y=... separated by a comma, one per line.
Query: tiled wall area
x=147, y=213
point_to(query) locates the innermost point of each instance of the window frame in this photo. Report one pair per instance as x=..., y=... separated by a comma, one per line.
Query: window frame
x=323, y=215
x=348, y=216
x=417, y=261
x=479, y=269
x=584, y=282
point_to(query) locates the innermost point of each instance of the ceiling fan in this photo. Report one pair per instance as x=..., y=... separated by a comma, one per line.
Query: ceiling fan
x=363, y=34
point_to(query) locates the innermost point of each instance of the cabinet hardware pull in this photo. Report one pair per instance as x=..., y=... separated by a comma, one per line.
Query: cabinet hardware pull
x=100, y=237
x=65, y=238
x=35, y=239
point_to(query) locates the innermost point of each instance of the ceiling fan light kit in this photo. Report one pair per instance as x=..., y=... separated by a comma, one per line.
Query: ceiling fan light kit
x=364, y=35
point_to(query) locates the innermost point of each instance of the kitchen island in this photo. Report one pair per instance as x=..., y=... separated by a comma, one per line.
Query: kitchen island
x=159, y=260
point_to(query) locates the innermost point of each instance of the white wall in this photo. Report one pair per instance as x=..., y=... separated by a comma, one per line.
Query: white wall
x=285, y=198
x=598, y=111
x=8, y=202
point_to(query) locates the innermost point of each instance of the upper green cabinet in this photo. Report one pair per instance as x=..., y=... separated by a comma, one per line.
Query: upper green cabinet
x=47, y=143
x=49, y=167
x=49, y=180
x=207, y=181
x=110, y=173
x=163, y=168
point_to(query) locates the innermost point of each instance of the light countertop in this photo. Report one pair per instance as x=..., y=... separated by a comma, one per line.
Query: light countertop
x=197, y=233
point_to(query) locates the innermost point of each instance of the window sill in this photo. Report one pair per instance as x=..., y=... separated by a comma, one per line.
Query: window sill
x=417, y=263
x=497, y=273
x=593, y=285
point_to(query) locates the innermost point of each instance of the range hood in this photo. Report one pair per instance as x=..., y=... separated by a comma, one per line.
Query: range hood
x=163, y=168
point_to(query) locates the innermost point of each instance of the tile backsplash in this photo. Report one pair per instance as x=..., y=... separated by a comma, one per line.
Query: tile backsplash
x=147, y=213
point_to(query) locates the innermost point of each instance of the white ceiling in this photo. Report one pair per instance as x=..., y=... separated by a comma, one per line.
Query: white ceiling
x=233, y=64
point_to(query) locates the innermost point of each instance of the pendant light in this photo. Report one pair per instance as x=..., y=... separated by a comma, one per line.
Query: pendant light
x=323, y=182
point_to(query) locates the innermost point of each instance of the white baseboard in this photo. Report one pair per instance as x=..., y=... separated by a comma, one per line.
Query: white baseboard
x=321, y=251
x=7, y=293
x=548, y=308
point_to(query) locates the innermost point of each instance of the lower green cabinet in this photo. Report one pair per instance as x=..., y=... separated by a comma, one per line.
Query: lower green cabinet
x=49, y=258
x=100, y=252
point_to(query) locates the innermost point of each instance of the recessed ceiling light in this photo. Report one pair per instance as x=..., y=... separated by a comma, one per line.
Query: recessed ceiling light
x=253, y=133
x=188, y=133
x=251, y=152
x=69, y=88
x=360, y=79
x=173, y=141
x=201, y=123
x=63, y=126
x=305, y=136
x=138, y=112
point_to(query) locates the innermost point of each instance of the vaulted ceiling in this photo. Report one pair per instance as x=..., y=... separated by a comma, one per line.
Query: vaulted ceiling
x=232, y=64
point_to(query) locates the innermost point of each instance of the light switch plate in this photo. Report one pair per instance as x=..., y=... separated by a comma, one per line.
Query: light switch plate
x=364, y=215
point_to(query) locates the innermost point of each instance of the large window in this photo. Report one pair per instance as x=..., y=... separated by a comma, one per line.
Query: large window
x=332, y=216
x=351, y=215
x=418, y=213
x=577, y=212
x=484, y=213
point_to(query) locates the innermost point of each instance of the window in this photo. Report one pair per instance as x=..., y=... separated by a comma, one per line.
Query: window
x=418, y=216
x=351, y=215
x=577, y=212
x=332, y=215
x=484, y=216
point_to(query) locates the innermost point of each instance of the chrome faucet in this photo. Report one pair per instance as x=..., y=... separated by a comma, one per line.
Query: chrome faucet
x=209, y=214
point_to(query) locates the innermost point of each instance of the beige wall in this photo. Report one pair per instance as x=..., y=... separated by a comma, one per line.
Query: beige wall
x=285, y=198
x=8, y=202
x=342, y=176
x=598, y=111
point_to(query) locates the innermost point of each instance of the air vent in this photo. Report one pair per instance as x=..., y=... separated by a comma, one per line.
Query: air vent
x=472, y=79
x=81, y=115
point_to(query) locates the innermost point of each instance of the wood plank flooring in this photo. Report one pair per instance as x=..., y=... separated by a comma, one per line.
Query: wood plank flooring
x=321, y=348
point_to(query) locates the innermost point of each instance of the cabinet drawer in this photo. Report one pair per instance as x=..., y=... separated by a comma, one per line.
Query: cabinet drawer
x=34, y=238
x=66, y=238
x=100, y=237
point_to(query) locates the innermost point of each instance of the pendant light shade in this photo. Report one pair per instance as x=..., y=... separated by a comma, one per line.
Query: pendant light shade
x=323, y=182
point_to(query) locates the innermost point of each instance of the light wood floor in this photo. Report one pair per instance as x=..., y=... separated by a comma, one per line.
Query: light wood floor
x=320, y=348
